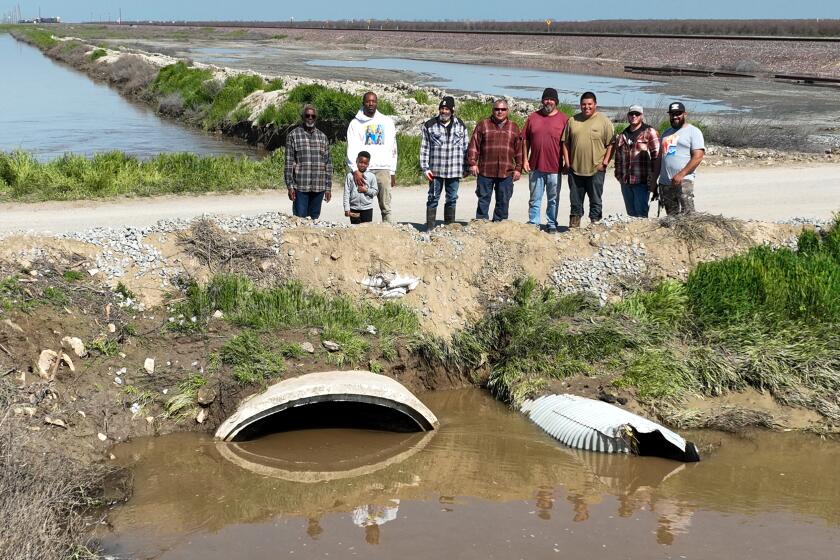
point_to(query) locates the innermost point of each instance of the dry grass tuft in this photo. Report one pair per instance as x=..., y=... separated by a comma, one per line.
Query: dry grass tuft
x=219, y=250
x=44, y=500
x=699, y=227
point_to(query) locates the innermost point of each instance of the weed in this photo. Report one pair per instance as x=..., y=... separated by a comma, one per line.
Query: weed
x=105, y=346
x=97, y=54
x=375, y=367
x=188, y=82
x=420, y=97
x=291, y=350
x=285, y=115
x=252, y=361
x=279, y=37
x=72, y=275
x=123, y=290
x=55, y=296
x=234, y=90
x=353, y=347
x=274, y=85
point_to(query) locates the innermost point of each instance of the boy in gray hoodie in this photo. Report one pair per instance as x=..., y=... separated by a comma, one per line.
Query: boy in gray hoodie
x=358, y=200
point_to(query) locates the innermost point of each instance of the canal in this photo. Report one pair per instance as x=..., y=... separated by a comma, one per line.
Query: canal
x=49, y=109
x=487, y=484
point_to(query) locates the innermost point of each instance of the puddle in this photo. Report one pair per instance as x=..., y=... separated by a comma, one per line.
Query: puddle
x=487, y=484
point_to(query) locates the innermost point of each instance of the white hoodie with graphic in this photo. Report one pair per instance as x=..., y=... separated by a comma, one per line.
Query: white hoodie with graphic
x=376, y=135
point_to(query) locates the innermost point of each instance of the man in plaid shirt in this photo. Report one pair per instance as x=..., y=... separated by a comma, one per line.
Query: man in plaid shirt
x=308, y=170
x=495, y=156
x=443, y=150
x=637, y=162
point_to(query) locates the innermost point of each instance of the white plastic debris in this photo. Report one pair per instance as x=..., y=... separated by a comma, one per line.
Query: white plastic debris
x=390, y=285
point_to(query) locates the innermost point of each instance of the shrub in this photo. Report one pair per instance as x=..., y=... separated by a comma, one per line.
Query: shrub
x=274, y=85
x=97, y=54
x=186, y=81
x=420, y=97
x=234, y=90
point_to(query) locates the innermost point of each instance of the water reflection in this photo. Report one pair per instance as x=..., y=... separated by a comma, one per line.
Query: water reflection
x=489, y=484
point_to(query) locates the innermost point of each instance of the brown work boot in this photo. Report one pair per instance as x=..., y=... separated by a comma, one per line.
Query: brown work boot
x=574, y=222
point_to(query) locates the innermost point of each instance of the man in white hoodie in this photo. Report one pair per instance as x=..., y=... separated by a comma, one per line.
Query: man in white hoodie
x=373, y=132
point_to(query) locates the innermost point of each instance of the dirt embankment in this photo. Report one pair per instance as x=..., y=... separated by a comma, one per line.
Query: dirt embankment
x=110, y=393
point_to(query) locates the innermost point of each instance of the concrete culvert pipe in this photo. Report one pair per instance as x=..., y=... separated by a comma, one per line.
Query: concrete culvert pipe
x=329, y=399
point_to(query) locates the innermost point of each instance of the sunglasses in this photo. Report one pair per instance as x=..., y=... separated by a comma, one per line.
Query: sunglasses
x=309, y=116
x=677, y=113
x=634, y=114
x=500, y=109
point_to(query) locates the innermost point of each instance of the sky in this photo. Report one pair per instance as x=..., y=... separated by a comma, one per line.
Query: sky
x=274, y=10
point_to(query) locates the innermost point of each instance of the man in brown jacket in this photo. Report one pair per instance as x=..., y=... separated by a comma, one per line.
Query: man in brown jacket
x=495, y=156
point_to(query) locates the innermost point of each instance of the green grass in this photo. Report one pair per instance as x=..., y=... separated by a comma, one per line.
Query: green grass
x=72, y=275
x=420, y=97
x=97, y=54
x=290, y=306
x=186, y=81
x=474, y=111
x=73, y=177
x=41, y=38
x=274, y=85
x=252, y=360
x=234, y=90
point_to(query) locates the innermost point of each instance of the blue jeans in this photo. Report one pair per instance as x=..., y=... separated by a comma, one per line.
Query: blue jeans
x=484, y=189
x=591, y=186
x=307, y=204
x=635, y=199
x=439, y=184
x=540, y=182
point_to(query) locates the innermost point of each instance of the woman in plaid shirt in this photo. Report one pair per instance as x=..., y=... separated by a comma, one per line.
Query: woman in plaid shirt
x=637, y=162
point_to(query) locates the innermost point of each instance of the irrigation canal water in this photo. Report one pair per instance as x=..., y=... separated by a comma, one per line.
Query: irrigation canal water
x=49, y=109
x=488, y=484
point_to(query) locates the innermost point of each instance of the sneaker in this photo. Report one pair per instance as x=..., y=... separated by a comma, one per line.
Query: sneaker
x=551, y=229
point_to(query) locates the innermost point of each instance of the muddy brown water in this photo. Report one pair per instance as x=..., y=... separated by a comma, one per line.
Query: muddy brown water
x=487, y=484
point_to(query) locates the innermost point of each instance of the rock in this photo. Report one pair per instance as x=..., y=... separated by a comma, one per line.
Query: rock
x=74, y=344
x=135, y=408
x=66, y=359
x=150, y=419
x=55, y=422
x=112, y=328
x=201, y=416
x=335, y=256
x=265, y=266
x=93, y=271
x=370, y=329
x=331, y=346
x=307, y=347
x=205, y=396
x=218, y=314
x=12, y=325
x=101, y=436
x=149, y=365
x=28, y=410
x=45, y=363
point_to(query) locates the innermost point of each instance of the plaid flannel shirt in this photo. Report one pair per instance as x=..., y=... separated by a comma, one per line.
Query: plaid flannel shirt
x=496, y=150
x=443, y=149
x=308, y=162
x=634, y=160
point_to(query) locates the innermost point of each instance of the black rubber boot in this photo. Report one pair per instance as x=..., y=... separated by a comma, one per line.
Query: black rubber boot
x=431, y=214
x=448, y=215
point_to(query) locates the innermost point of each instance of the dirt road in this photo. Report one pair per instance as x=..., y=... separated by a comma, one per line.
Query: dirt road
x=768, y=194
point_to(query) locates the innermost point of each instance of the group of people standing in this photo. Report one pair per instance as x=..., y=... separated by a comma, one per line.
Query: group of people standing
x=548, y=146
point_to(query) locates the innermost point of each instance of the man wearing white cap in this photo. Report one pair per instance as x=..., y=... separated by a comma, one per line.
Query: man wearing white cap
x=683, y=148
x=637, y=162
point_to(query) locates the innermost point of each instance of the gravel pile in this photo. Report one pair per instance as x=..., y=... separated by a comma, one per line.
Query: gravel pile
x=601, y=273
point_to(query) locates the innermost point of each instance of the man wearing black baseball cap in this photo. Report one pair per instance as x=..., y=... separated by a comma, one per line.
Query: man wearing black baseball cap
x=443, y=150
x=683, y=148
x=543, y=159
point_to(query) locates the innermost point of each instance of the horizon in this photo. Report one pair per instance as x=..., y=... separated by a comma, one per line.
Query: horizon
x=77, y=11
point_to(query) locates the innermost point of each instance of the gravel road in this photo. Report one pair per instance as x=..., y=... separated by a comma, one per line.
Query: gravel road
x=770, y=194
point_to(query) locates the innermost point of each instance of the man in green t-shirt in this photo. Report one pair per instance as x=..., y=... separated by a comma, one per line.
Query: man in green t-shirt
x=587, y=148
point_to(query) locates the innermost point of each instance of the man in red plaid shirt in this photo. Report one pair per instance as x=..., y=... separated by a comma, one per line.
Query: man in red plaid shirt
x=637, y=162
x=495, y=156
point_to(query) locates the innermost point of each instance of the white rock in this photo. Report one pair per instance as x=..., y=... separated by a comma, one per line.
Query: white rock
x=28, y=410
x=12, y=325
x=93, y=271
x=112, y=328
x=101, y=436
x=74, y=344
x=45, y=362
x=201, y=416
x=55, y=422
x=307, y=347
x=149, y=365
x=218, y=314
x=331, y=346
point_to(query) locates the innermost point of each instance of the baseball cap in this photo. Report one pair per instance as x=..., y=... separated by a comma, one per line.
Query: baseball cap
x=448, y=102
x=636, y=109
x=676, y=107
